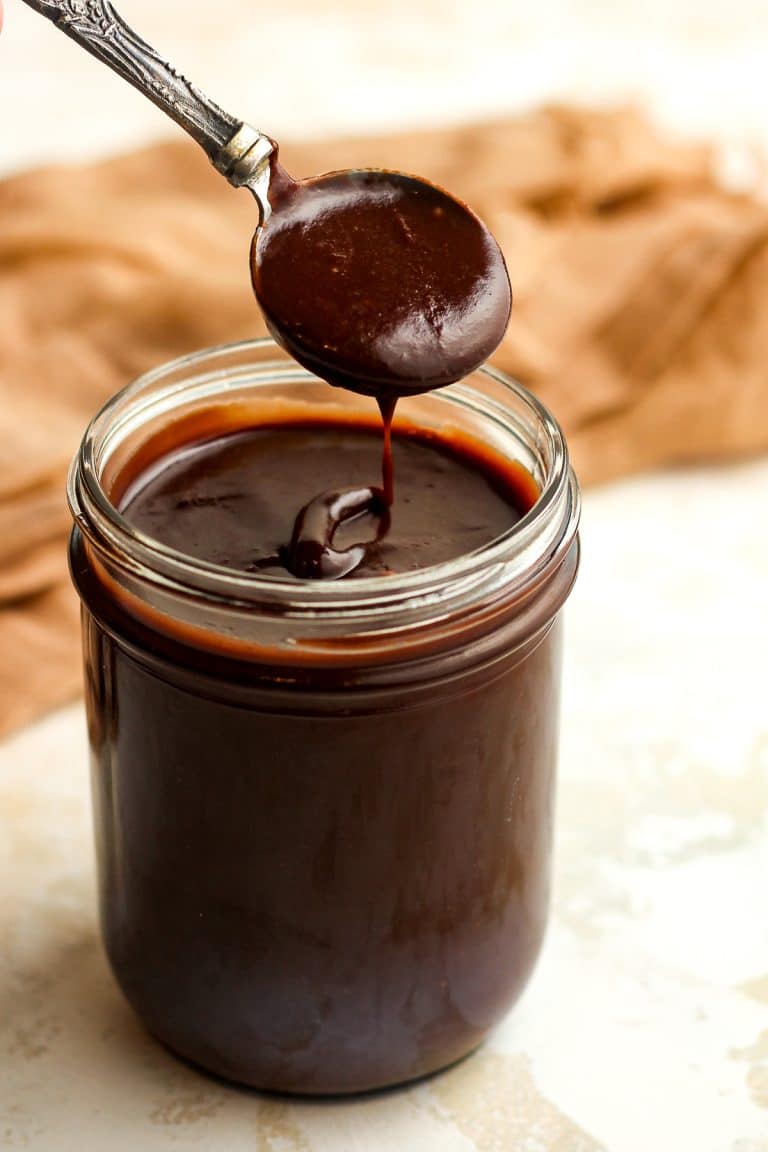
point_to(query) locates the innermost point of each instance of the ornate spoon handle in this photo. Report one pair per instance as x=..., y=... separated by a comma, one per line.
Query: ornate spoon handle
x=238, y=151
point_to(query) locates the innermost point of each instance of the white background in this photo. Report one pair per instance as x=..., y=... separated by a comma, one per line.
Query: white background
x=309, y=66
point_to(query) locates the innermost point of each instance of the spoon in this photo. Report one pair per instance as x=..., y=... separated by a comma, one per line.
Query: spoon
x=376, y=281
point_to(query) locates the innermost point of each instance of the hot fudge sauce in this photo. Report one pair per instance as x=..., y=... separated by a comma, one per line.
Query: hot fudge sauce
x=323, y=808
x=384, y=284
x=323, y=711
x=379, y=282
x=233, y=499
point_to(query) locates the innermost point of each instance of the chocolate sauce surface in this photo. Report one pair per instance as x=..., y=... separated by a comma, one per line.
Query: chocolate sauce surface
x=379, y=282
x=325, y=874
x=294, y=499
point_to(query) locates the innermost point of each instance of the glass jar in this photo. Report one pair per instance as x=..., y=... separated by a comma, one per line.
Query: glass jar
x=323, y=810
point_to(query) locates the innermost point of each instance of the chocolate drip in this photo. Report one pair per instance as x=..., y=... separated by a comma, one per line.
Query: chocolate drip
x=383, y=284
x=387, y=407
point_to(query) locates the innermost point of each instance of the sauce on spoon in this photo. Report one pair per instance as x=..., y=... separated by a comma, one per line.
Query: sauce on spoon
x=384, y=284
x=379, y=282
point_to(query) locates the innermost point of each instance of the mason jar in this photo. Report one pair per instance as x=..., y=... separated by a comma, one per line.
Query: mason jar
x=323, y=809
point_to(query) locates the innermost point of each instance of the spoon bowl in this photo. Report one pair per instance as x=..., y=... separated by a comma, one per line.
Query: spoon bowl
x=378, y=281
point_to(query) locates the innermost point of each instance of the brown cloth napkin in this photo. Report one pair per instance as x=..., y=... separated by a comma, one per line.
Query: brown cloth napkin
x=641, y=314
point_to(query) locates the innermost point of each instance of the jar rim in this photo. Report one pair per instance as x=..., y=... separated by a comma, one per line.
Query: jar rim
x=514, y=559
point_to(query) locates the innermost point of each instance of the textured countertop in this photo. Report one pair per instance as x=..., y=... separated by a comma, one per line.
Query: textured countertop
x=645, y=1028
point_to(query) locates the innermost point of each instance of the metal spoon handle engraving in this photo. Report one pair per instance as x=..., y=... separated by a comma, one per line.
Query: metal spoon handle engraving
x=235, y=149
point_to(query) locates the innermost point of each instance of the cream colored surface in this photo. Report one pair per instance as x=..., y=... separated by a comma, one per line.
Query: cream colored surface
x=646, y=1026
x=316, y=66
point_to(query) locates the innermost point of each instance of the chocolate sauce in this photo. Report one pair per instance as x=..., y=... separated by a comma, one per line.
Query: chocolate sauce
x=384, y=284
x=326, y=872
x=387, y=408
x=317, y=889
x=324, y=855
x=379, y=282
x=232, y=500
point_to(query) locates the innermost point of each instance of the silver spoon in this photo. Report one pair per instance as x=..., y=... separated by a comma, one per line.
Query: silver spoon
x=376, y=281
x=235, y=149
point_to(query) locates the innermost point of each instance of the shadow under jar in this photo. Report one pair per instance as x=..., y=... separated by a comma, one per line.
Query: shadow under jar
x=323, y=810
